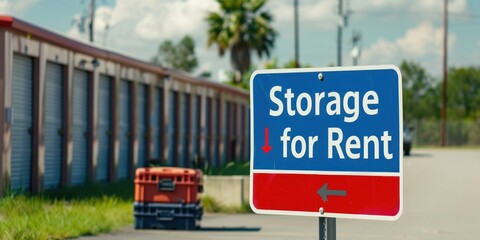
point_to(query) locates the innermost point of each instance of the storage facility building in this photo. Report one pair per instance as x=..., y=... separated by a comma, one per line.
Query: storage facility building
x=72, y=112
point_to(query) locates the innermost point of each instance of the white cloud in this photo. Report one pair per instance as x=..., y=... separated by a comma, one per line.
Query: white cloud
x=427, y=6
x=382, y=50
x=155, y=20
x=14, y=7
x=422, y=40
x=322, y=13
x=138, y=27
x=317, y=14
x=422, y=43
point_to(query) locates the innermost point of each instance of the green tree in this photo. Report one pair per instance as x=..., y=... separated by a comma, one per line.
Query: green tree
x=205, y=74
x=420, y=95
x=273, y=63
x=178, y=56
x=240, y=27
x=293, y=64
x=464, y=93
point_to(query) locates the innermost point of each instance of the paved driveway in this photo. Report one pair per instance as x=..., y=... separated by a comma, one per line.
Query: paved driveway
x=442, y=201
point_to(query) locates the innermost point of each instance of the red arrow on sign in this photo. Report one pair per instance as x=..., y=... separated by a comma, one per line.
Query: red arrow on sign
x=266, y=148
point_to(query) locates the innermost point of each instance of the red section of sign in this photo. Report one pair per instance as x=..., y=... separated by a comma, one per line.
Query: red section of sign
x=365, y=195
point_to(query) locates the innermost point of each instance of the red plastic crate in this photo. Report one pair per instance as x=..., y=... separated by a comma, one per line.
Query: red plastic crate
x=168, y=185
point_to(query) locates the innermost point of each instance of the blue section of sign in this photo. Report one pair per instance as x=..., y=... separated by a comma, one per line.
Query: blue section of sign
x=380, y=155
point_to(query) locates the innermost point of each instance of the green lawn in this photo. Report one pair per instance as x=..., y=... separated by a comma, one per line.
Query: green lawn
x=86, y=210
x=213, y=206
x=231, y=168
x=67, y=213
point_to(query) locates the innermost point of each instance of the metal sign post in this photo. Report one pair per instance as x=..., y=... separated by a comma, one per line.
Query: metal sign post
x=327, y=228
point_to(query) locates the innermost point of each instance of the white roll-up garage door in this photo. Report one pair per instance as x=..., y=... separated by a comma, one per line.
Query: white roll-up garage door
x=216, y=133
x=104, y=127
x=125, y=129
x=80, y=126
x=157, y=124
x=21, y=133
x=197, y=127
x=224, y=133
x=208, y=131
x=142, y=124
x=184, y=129
x=172, y=128
x=53, y=130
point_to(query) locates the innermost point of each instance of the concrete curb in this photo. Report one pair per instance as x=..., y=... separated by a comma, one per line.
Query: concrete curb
x=228, y=190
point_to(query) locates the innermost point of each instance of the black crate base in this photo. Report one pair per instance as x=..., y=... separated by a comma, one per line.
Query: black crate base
x=167, y=216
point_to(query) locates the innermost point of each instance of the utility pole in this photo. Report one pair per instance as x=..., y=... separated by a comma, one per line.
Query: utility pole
x=92, y=20
x=295, y=7
x=444, y=90
x=357, y=49
x=339, y=32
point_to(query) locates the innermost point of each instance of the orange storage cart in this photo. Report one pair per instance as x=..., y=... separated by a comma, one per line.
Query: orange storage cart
x=168, y=185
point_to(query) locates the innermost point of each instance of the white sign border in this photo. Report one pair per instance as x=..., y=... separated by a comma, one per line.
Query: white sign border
x=327, y=214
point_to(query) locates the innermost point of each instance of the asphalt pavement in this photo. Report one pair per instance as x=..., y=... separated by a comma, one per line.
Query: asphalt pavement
x=441, y=201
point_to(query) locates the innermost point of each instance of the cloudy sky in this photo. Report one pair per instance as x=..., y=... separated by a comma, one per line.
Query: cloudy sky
x=392, y=30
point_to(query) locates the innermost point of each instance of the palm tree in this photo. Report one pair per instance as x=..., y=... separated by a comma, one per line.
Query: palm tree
x=241, y=26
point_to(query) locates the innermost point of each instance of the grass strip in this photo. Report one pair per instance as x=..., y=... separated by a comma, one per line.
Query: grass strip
x=213, y=206
x=84, y=210
x=67, y=213
x=230, y=169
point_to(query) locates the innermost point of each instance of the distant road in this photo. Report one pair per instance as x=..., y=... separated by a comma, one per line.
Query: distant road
x=442, y=201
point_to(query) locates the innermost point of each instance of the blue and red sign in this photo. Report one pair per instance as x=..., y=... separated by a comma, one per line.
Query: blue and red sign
x=327, y=142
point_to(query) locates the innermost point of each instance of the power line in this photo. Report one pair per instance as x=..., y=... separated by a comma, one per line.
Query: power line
x=462, y=15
